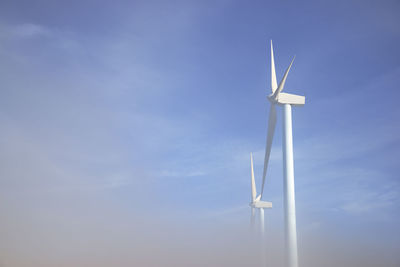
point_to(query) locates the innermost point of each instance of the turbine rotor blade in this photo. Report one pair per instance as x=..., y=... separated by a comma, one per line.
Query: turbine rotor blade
x=253, y=183
x=274, y=84
x=282, y=83
x=270, y=136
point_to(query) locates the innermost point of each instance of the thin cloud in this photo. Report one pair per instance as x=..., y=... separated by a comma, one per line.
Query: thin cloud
x=24, y=31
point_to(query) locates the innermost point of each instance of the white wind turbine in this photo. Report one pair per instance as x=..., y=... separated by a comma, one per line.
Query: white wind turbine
x=287, y=101
x=256, y=203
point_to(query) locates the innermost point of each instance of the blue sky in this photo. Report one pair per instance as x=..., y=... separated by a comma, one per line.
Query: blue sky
x=116, y=111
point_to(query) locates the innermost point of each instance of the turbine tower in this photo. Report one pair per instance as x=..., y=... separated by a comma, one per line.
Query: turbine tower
x=287, y=101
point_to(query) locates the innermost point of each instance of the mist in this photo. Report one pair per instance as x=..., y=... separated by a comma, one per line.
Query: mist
x=126, y=130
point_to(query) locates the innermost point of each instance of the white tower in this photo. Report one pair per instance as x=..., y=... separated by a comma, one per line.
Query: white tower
x=288, y=188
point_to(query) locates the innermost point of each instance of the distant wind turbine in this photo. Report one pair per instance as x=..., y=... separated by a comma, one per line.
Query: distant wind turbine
x=256, y=203
x=287, y=101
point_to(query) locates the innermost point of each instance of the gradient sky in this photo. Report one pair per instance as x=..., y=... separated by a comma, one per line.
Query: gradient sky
x=124, y=119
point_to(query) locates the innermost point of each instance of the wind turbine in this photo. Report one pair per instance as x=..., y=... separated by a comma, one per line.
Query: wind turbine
x=287, y=101
x=256, y=202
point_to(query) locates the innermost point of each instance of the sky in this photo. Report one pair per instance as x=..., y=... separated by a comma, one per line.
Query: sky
x=127, y=126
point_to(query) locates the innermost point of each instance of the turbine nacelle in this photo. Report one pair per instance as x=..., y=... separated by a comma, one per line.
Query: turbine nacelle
x=285, y=98
x=261, y=204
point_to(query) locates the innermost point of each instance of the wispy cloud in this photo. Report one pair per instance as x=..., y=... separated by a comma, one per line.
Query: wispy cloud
x=26, y=30
x=366, y=200
x=177, y=174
